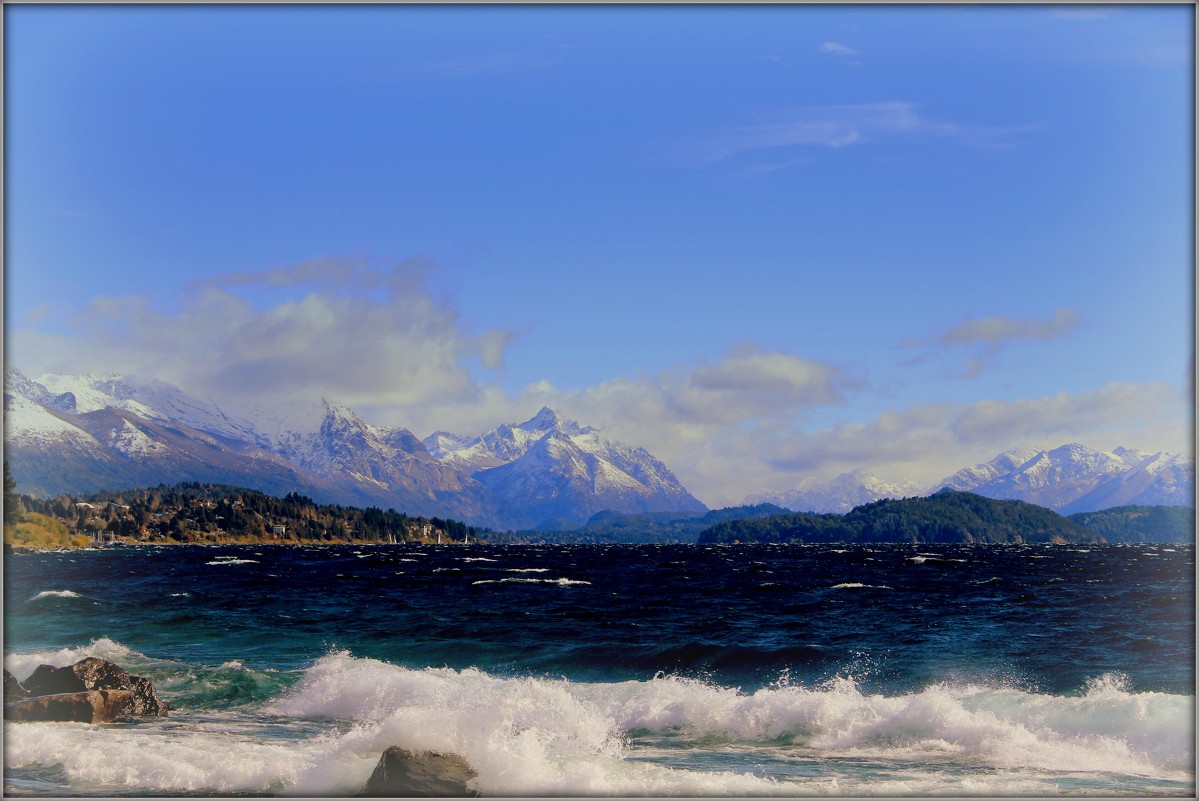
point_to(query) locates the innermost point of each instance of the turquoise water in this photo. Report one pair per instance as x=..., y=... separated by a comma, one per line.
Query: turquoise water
x=621, y=670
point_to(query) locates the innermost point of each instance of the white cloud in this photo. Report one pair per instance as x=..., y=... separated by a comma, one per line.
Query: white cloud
x=824, y=126
x=341, y=329
x=929, y=441
x=837, y=49
x=985, y=337
x=835, y=127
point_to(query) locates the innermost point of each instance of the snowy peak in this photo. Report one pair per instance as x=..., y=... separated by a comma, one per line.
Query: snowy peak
x=1074, y=478
x=545, y=420
x=146, y=397
x=568, y=477
x=968, y=478
x=442, y=443
x=1069, y=478
x=838, y=495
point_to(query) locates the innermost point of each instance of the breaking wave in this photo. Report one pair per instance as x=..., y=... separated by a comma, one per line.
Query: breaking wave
x=320, y=732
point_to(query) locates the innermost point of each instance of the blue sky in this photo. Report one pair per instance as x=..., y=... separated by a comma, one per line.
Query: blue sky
x=763, y=242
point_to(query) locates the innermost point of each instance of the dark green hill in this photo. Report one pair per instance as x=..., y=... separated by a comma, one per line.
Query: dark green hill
x=649, y=527
x=945, y=517
x=1140, y=523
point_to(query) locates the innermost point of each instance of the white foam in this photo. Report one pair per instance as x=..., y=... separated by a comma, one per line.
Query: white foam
x=542, y=737
x=524, y=737
x=853, y=585
x=55, y=594
x=231, y=560
x=22, y=665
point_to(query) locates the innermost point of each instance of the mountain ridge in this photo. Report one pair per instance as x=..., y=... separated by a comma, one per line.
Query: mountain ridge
x=95, y=432
x=1069, y=478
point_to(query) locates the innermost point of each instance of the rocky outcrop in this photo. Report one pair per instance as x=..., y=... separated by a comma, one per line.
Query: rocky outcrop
x=92, y=706
x=145, y=702
x=92, y=690
x=50, y=680
x=416, y=774
x=13, y=689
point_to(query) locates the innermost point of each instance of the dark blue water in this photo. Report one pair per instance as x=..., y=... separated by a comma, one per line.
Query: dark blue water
x=245, y=630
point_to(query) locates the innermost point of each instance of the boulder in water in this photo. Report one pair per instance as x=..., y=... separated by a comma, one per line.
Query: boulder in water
x=414, y=774
x=145, y=700
x=13, y=689
x=81, y=681
x=100, y=674
x=50, y=680
x=90, y=706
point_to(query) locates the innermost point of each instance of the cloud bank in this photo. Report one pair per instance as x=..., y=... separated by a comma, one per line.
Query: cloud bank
x=378, y=339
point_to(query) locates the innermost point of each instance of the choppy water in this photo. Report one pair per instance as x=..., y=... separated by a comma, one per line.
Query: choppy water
x=621, y=670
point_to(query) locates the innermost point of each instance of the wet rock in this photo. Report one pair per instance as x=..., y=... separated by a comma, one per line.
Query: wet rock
x=145, y=700
x=87, y=675
x=413, y=774
x=13, y=689
x=100, y=674
x=90, y=706
x=50, y=680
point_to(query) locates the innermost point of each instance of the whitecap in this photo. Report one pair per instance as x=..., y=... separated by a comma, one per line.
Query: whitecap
x=561, y=582
x=55, y=594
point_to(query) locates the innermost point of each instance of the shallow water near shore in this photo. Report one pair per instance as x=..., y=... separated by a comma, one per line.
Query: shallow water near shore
x=620, y=670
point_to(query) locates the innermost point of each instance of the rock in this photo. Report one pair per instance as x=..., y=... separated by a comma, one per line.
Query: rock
x=145, y=699
x=87, y=675
x=13, y=689
x=50, y=680
x=90, y=706
x=100, y=674
x=413, y=774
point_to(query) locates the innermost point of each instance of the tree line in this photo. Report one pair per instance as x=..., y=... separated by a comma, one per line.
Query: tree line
x=192, y=512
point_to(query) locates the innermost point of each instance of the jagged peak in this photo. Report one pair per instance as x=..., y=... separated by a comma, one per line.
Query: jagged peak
x=338, y=409
x=339, y=414
x=545, y=419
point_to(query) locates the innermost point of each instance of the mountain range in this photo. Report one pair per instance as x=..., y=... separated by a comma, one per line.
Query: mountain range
x=87, y=433
x=1068, y=479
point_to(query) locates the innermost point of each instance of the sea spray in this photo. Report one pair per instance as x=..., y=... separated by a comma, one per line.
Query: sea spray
x=22, y=665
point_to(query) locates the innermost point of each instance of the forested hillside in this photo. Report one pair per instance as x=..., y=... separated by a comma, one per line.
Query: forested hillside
x=197, y=513
x=946, y=517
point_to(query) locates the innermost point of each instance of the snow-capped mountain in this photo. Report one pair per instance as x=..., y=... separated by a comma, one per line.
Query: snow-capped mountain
x=550, y=468
x=1075, y=478
x=388, y=463
x=52, y=451
x=145, y=397
x=838, y=495
x=1068, y=479
x=92, y=432
x=968, y=478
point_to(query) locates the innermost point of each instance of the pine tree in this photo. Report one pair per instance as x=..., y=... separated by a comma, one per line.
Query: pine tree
x=12, y=502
